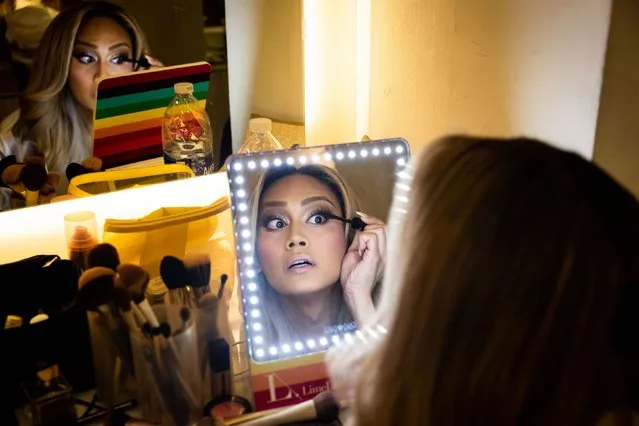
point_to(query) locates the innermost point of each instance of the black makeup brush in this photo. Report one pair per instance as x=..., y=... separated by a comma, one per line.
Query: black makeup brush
x=33, y=176
x=356, y=222
x=136, y=280
x=7, y=161
x=323, y=407
x=104, y=255
x=176, y=276
x=198, y=268
x=220, y=291
x=75, y=169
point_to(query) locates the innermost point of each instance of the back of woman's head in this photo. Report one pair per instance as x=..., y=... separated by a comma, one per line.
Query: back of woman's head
x=511, y=294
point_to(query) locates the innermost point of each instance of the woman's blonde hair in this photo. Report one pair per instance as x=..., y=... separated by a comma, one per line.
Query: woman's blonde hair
x=278, y=328
x=511, y=295
x=49, y=115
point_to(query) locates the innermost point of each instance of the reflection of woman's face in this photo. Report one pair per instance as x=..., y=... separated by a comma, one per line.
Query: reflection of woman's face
x=300, y=250
x=100, y=50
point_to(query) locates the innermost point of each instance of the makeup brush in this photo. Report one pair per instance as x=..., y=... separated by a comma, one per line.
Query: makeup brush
x=185, y=316
x=7, y=161
x=11, y=178
x=136, y=280
x=35, y=160
x=94, y=164
x=104, y=254
x=96, y=290
x=33, y=176
x=175, y=276
x=207, y=314
x=49, y=188
x=220, y=363
x=356, y=222
x=93, y=273
x=220, y=291
x=323, y=407
x=178, y=370
x=75, y=169
x=198, y=268
x=122, y=300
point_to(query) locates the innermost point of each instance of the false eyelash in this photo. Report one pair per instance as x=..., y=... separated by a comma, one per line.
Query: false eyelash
x=323, y=211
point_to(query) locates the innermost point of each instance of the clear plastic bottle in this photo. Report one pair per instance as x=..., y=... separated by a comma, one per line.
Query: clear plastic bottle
x=261, y=138
x=186, y=132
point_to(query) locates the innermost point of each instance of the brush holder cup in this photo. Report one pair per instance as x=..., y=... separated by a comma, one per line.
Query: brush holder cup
x=168, y=373
x=112, y=358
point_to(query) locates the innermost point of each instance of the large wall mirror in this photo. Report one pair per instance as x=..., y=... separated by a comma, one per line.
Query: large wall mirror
x=255, y=49
x=297, y=213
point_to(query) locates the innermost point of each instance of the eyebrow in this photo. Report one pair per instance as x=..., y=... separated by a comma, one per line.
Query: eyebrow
x=93, y=46
x=305, y=201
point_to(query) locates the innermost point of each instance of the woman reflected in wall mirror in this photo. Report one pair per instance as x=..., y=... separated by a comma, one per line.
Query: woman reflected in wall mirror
x=86, y=42
x=317, y=274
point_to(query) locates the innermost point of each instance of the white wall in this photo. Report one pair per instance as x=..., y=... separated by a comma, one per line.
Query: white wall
x=266, y=74
x=617, y=141
x=492, y=67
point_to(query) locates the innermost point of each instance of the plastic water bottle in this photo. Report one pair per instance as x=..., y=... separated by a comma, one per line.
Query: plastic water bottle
x=186, y=132
x=261, y=138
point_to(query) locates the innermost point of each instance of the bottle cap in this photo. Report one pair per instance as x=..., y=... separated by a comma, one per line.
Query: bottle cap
x=260, y=125
x=183, y=88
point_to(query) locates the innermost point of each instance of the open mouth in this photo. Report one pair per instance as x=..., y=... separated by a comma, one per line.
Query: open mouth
x=300, y=264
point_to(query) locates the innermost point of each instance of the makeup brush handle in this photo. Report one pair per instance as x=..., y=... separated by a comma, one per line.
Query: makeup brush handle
x=128, y=319
x=179, y=371
x=298, y=413
x=32, y=198
x=198, y=292
x=148, y=313
x=137, y=313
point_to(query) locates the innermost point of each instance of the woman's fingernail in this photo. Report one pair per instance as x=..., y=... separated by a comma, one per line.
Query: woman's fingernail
x=361, y=214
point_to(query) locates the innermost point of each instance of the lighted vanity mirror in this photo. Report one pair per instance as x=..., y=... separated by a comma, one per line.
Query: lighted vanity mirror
x=303, y=242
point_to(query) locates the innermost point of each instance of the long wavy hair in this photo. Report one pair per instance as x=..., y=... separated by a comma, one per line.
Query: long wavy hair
x=278, y=327
x=49, y=116
x=511, y=296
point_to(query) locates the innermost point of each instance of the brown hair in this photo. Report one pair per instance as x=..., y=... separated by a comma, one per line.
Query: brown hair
x=511, y=294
